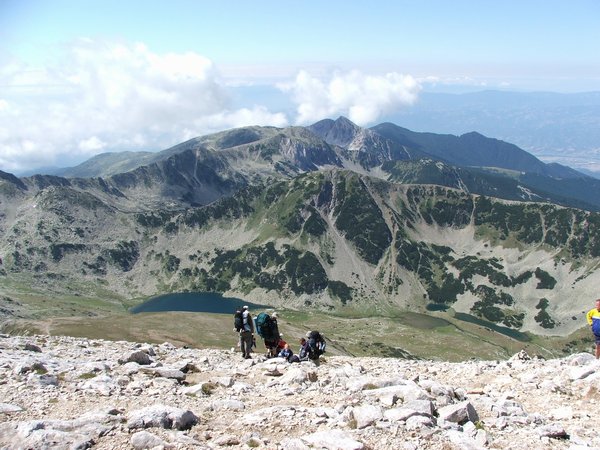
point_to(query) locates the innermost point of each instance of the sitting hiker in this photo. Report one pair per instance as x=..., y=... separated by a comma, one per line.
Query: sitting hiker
x=303, y=355
x=286, y=352
x=281, y=344
x=304, y=350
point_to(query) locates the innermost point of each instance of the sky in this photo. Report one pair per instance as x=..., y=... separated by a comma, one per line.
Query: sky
x=82, y=77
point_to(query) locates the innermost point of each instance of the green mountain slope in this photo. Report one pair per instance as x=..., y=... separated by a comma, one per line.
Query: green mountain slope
x=333, y=240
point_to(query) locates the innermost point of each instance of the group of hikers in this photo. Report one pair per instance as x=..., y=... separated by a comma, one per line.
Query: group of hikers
x=312, y=346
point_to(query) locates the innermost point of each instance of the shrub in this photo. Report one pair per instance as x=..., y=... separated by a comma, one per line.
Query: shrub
x=546, y=280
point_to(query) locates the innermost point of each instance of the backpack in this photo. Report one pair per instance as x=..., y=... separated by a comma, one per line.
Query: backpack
x=316, y=345
x=238, y=321
x=266, y=327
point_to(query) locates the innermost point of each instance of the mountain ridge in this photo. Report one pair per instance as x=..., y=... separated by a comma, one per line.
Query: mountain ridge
x=334, y=240
x=284, y=217
x=367, y=150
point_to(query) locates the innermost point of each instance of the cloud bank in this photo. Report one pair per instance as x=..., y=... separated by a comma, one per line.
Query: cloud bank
x=110, y=97
x=362, y=98
x=113, y=97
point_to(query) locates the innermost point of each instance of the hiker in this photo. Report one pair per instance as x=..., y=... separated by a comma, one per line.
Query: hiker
x=266, y=327
x=286, y=352
x=593, y=319
x=302, y=354
x=245, y=327
x=280, y=344
x=316, y=344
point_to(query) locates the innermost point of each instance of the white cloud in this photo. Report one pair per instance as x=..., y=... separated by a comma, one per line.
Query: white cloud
x=362, y=98
x=107, y=96
x=92, y=144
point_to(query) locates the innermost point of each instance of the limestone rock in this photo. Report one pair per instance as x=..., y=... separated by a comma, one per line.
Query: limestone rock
x=580, y=359
x=8, y=408
x=343, y=403
x=32, y=348
x=163, y=372
x=227, y=440
x=521, y=356
x=366, y=415
x=231, y=404
x=419, y=422
x=144, y=440
x=580, y=372
x=459, y=413
x=140, y=357
x=333, y=440
x=553, y=431
x=161, y=416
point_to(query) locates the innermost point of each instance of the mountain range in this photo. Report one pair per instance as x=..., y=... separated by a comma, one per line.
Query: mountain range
x=559, y=127
x=330, y=216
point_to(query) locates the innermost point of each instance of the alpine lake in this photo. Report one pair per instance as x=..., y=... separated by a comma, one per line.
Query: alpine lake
x=212, y=302
x=203, y=302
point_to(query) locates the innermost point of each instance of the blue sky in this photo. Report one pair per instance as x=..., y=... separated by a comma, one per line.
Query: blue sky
x=82, y=77
x=514, y=39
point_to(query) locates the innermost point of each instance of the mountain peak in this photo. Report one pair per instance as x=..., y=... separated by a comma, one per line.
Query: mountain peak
x=341, y=131
x=345, y=122
x=9, y=177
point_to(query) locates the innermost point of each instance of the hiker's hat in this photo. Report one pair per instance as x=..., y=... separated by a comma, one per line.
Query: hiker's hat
x=245, y=307
x=274, y=315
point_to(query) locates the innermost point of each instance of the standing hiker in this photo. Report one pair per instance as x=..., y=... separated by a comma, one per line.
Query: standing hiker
x=266, y=327
x=245, y=326
x=593, y=319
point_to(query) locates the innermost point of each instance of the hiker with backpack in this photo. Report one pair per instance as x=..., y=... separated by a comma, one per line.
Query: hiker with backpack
x=267, y=328
x=244, y=325
x=316, y=345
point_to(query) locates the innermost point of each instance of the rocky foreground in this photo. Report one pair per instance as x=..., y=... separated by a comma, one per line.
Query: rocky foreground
x=72, y=393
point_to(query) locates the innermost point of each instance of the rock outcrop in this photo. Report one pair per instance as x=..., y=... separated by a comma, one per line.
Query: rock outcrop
x=74, y=393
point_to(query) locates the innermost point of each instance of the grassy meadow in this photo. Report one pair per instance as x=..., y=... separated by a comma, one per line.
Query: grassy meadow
x=438, y=336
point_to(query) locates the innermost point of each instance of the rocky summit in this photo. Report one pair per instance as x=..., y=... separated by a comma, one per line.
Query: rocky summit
x=74, y=393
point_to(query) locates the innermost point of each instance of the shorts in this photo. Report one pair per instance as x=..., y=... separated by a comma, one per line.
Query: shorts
x=597, y=339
